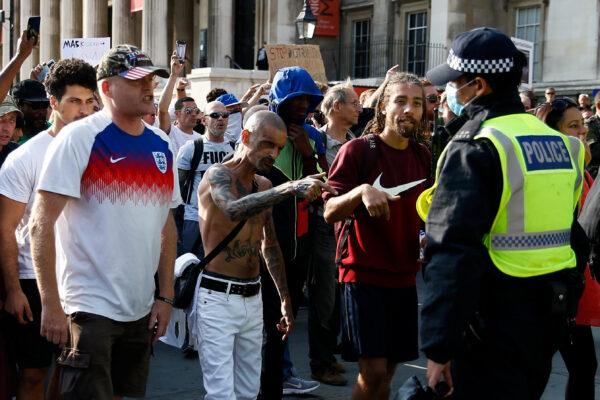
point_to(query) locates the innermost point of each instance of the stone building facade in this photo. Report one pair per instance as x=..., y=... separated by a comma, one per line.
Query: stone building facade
x=371, y=35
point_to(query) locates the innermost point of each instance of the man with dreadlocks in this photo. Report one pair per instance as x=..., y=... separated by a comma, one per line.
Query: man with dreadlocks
x=378, y=235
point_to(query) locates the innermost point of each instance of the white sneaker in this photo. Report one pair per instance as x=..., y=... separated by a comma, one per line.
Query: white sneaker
x=297, y=385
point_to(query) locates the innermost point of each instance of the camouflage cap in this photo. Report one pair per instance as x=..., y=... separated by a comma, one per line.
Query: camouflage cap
x=8, y=106
x=129, y=62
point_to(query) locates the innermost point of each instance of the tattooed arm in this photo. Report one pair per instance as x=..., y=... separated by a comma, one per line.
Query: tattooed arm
x=275, y=265
x=221, y=181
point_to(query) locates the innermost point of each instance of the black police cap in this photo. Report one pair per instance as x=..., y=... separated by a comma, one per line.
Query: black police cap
x=478, y=51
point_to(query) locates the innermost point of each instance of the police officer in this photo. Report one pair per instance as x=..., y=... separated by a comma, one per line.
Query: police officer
x=501, y=276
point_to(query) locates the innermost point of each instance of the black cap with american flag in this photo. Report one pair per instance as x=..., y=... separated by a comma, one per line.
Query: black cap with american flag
x=129, y=62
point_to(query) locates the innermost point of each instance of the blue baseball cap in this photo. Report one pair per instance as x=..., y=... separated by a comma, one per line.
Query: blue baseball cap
x=478, y=51
x=228, y=99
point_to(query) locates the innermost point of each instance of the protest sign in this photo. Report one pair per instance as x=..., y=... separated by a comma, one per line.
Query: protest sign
x=307, y=56
x=87, y=49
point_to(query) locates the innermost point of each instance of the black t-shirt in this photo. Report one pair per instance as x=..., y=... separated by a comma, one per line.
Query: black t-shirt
x=6, y=150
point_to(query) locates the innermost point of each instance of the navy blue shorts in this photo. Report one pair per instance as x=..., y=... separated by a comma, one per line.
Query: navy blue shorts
x=379, y=322
x=31, y=349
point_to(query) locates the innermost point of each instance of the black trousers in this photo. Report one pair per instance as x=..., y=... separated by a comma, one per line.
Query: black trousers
x=508, y=348
x=579, y=354
x=271, y=379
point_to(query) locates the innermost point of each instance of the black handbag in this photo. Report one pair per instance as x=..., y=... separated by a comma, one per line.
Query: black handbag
x=185, y=285
x=412, y=389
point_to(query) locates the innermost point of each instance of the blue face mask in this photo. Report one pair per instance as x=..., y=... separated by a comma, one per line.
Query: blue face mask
x=452, y=99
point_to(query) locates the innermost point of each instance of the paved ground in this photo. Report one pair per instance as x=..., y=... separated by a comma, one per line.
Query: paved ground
x=173, y=377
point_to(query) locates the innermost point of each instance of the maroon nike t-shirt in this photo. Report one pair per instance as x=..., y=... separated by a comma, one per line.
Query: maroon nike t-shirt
x=380, y=252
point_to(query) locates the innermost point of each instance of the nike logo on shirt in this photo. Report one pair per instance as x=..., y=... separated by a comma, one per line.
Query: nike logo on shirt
x=395, y=191
x=116, y=160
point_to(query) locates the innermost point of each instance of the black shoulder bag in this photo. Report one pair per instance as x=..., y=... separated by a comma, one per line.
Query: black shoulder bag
x=188, y=184
x=185, y=285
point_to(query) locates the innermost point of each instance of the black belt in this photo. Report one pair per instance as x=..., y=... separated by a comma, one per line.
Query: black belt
x=247, y=290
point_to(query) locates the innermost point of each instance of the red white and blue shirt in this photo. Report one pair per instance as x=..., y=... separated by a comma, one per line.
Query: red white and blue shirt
x=120, y=189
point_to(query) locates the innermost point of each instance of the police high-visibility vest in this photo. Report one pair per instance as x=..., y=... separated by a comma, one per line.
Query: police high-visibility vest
x=542, y=174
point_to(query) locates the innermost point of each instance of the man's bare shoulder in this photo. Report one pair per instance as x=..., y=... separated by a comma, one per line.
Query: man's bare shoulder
x=263, y=183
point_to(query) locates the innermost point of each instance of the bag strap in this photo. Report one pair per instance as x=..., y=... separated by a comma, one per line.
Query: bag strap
x=198, y=150
x=224, y=242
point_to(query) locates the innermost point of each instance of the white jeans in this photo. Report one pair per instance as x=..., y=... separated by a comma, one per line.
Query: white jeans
x=229, y=335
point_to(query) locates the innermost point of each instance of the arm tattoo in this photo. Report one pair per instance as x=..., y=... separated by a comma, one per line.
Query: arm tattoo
x=235, y=209
x=273, y=257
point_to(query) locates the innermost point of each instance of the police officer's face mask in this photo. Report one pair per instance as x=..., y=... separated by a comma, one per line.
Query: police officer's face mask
x=452, y=97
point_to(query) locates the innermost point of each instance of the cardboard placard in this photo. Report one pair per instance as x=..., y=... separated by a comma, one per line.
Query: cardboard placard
x=90, y=50
x=307, y=56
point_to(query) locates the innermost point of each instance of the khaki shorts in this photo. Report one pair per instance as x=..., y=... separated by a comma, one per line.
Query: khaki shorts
x=104, y=357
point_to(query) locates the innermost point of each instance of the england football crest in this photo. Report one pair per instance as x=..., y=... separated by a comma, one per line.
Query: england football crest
x=161, y=161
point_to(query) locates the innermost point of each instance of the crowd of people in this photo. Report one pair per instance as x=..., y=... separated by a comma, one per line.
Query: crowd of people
x=299, y=193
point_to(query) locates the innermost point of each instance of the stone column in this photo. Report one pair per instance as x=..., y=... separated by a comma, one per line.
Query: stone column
x=50, y=30
x=154, y=31
x=122, y=22
x=220, y=32
x=183, y=27
x=27, y=9
x=381, y=32
x=71, y=15
x=95, y=18
x=6, y=27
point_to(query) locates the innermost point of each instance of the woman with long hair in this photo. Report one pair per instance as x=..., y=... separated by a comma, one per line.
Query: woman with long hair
x=577, y=349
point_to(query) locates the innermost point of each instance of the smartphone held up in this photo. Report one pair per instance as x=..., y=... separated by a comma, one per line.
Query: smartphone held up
x=33, y=27
x=180, y=49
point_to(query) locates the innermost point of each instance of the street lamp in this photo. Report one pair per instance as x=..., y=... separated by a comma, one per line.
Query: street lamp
x=306, y=23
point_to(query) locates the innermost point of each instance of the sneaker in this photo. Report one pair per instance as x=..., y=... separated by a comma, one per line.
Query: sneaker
x=297, y=385
x=329, y=376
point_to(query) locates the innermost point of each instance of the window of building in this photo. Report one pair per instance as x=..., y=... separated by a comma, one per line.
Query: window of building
x=416, y=42
x=527, y=27
x=361, y=37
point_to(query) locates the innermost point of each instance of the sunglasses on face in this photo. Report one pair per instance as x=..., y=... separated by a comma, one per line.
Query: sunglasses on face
x=551, y=93
x=36, y=105
x=190, y=110
x=216, y=115
x=432, y=98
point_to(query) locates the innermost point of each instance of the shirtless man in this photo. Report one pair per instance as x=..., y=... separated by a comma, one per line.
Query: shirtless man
x=227, y=311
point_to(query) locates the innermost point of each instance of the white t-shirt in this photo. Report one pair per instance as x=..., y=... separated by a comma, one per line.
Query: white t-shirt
x=121, y=188
x=19, y=178
x=213, y=152
x=179, y=138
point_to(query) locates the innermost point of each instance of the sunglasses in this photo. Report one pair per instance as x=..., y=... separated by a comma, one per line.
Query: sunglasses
x=216, y=115
x=553, y=93
x=36, y=105
x=432, y=98
x=190, y=110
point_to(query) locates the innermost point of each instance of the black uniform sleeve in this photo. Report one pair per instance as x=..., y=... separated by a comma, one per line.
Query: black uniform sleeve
x=465, y=204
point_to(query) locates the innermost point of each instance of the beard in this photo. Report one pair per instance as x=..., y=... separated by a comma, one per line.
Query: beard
x=405, y=131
